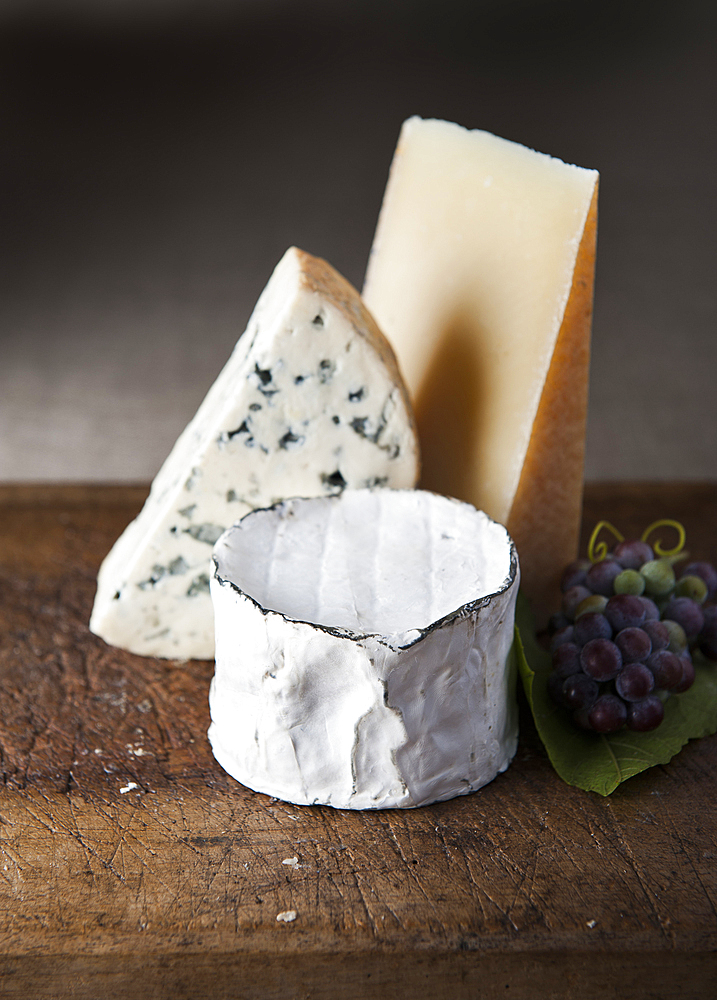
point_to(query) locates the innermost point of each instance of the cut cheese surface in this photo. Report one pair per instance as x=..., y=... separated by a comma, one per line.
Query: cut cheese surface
x=311, y=401
x=481, y=277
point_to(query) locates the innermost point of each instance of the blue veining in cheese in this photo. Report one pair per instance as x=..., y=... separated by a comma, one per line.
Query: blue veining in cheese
x=310, y=402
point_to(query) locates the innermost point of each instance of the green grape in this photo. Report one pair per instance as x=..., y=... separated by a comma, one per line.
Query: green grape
x=659, y=577
x=629, y=582
x=707, y=572
x=596, y=603
x=678, y=639
x=693, y=587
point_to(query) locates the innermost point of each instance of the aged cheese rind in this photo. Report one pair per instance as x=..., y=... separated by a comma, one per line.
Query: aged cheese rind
x=481, y=276
x=363, y=645
x=310, y=401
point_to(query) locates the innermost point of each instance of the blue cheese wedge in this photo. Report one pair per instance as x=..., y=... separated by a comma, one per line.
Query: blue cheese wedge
x=310, y=402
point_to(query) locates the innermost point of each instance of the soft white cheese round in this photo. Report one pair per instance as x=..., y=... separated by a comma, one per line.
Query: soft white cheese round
x=363, y=649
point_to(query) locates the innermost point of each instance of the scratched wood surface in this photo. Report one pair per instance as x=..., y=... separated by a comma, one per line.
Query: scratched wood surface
x=131, y=865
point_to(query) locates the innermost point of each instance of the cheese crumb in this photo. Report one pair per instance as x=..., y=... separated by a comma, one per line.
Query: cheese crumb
x=287, y=916
x=293, y=862
x=130, y=786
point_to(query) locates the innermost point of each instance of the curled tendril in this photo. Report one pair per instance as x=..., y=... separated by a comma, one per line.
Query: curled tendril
x=666, y=523
x=596, y=553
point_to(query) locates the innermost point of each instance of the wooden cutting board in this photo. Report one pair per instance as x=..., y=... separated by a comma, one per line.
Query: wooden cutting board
x=131, y=865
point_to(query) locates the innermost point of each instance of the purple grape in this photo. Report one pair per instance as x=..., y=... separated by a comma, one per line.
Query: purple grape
x=566, y=659
x=666, y=668
x=574, y=574
x=608, y=714
x=625, y=611
x=573, y=597
x=579, y=691
x=634, y=682
x=580, y=718
x=634, y=644
x=600, y=659
x=686, y=613
x=688, y=674
x=555, y=689
x=659, y=635
x=610, y=629
x=600, y=576
x=707, y=640
x=556, y=622
x=652, y=612
x=561, y=636
x=705, y=571
x=642, y=716
x=632, y=555
x=591, y=626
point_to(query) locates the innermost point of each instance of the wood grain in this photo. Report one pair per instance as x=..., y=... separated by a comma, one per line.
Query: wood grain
x=131, y=865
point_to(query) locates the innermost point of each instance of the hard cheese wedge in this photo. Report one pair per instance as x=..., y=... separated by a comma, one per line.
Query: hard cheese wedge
x=481, y=275
x=310, y=401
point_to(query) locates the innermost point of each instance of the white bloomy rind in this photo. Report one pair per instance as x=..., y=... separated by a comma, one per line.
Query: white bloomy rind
x=311, y=400
x=363, y=650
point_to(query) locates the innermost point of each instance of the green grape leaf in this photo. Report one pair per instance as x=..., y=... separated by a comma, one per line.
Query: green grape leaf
x=599, y=763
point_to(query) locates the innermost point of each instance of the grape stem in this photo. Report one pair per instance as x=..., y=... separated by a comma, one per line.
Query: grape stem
x=666, y=523
x=596, y=553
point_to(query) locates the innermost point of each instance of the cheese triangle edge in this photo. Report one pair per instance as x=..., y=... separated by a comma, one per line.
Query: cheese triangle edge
x=310, y=401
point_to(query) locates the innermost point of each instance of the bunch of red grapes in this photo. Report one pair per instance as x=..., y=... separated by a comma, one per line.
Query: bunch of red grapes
x=622, y=643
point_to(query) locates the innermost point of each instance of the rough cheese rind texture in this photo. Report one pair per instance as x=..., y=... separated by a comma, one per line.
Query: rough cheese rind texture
x=311, y=401
x=481, y=275
x=363, y=650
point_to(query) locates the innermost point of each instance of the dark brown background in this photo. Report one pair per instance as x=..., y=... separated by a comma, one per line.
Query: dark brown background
x=158, y=158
